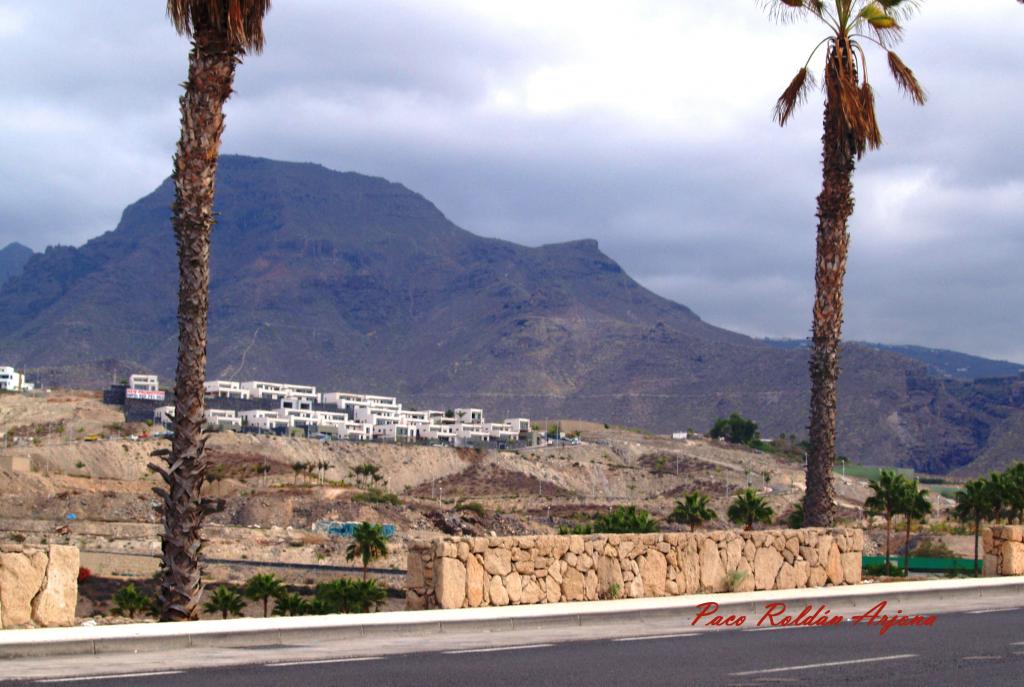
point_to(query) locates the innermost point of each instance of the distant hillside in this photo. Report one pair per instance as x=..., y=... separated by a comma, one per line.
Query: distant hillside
x=12, y=260
x=356, y=283
x=944, y=363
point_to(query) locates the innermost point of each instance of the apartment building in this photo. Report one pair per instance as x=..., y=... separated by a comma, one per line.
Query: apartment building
x=12, y=380
x=224, y=389
x=276, y=391
x=144, y=388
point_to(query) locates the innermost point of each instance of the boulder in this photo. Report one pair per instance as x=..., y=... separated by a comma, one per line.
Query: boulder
x=450, y=583
x=766, y=567
x=498, y=561
x=786, y=579
x=712, y=572
x=55, y=604
x=746, y=582
x=21, y=577
x=608, y=573
x=499, y=595
x=573, y=585
x=688, y=578
x=851, y=563
x=1013, y=558
x=834, y=566
x=514, y=587
x=653, y=571
x=474, y=581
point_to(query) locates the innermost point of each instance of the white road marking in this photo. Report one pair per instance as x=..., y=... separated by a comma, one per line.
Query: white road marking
x=325, y=660
x=993, y=610
x=121, y=676
x=981, y=658
x=812, y=666
x=640, y=639
x=498, y=648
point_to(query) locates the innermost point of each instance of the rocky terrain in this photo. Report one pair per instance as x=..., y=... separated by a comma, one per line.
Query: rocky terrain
x=356, y=283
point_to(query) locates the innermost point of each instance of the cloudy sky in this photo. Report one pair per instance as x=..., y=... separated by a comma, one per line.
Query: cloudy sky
x=645, y=124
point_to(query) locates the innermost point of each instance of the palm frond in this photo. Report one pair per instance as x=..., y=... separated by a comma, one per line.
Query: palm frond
x=869, y=124
x=900, y=10
x=906, y=80
x=790, y=11
x=240, y=21
x=794, y=95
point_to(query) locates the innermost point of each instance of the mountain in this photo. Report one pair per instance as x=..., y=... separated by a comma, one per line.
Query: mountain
x=356, y=283
x=12, y=260
x=939, y=361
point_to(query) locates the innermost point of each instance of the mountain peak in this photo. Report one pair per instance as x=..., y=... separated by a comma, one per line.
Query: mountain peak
x=12, y=260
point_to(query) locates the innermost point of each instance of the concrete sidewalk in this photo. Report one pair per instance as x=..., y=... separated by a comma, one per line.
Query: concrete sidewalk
x=250, y=632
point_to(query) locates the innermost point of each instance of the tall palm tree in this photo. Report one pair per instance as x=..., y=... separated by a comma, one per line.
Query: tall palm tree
x=915, y=506
x=890, y=495
x=262, y=587
x=749, y=507
x=368, y=543
x=693, y=510
x=973, y=505
x=850, y=128
x=222, y=31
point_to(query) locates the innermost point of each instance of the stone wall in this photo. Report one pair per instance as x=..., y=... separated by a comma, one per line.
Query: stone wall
x=1004, y=550
x=458, y=572
x=38, y=588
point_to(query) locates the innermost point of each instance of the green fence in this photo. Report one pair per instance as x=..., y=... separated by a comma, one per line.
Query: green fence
x=869, y=471
x=932, y=565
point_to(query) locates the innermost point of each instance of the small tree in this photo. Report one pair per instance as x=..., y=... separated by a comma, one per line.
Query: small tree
x=972, y=505
x=290, y=603
x=625, y=520
x=298, y=467
x=262, y=587
x=915, y=507
x=735, y=429
x=224, y=601
x=890, y=493
x=368, y=543
x=128, y=601
x=749, y=507
x=693, y=510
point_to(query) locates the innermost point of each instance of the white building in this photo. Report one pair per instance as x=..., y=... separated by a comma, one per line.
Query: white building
x=469, y=416
x=164, y=415
x=224, y=419
x=520, y=425
x=219, y=388
x=275, y=391
x=144, y=388
x=12, y=380
x=144, y=382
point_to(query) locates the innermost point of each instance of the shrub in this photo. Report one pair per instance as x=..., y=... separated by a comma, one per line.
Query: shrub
x=613, y=591
x=884, y=570
x=734, y=579
x=351, y=596
x=375, y=495
x=735, y=429
x=84, y=574
x=224, y=601
x=473, y=507
x=128, y=601
x=933, y=548
x=18, y=538
x=79, y=465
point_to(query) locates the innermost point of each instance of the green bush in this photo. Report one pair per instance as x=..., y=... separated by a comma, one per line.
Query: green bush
x=619, y=520
x=473, y=507
x=351, y=596
x=374, y=495
x=128, y=601
x=735, y=429
x=884, y=570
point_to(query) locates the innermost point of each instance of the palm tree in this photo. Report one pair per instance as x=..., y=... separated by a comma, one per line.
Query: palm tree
x=973, y=505
x=222, y=31
x=692, y=510
x=224, y=601
x=262, y=588
x=749, y=507
x=915, y=506
x=889, y=497
x=368, y=543
x=850, y=128
x=625, y=519
x=1014, y=488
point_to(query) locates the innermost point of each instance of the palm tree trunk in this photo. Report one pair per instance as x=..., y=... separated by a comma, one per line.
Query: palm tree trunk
x=210, y=75
x=835, y=205
x=977, y=526
x=906, y=548
x=888, y=530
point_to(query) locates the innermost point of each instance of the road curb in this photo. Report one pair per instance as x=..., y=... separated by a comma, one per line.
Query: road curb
x=250, y=632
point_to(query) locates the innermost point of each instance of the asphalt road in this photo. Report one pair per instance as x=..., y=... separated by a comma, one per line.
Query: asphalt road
x=965, y=648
